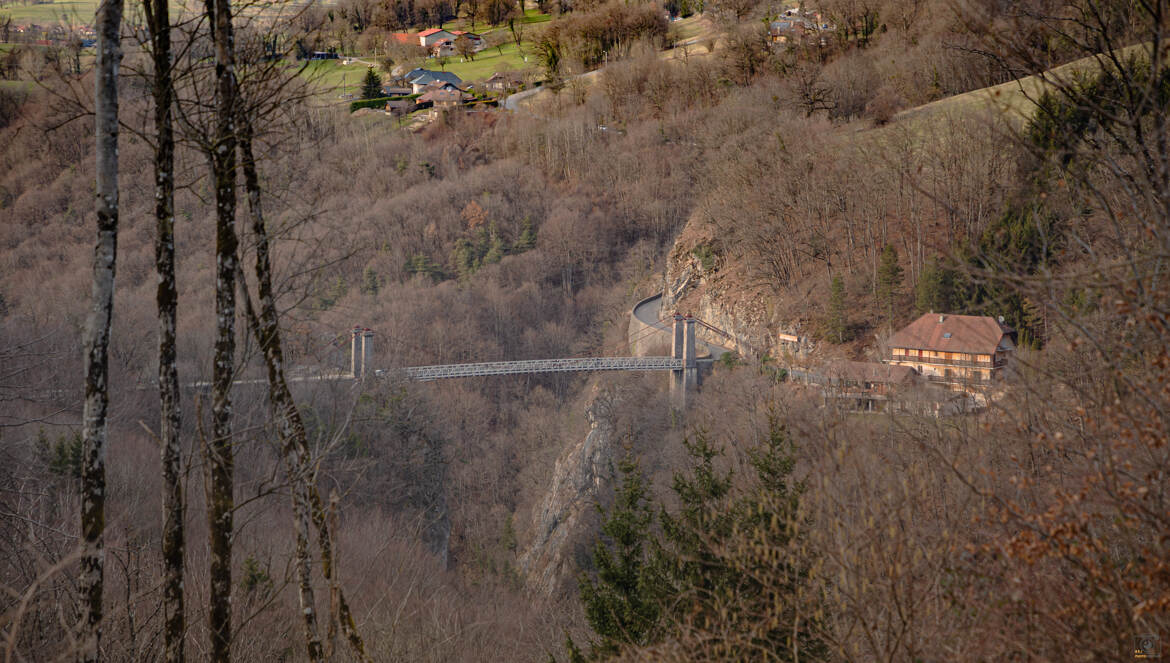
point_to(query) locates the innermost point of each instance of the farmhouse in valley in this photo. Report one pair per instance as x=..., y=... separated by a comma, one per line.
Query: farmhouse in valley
x=960, y=351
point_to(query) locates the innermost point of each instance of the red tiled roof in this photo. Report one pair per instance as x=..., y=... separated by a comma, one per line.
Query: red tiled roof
x=941, y=332
x=428, y=33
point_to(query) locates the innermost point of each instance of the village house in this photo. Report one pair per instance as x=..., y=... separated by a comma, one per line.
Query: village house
x=862, y=386
x=399, y=106
x=477, y=42
x=443, y=48
x=444, y=99
x=795, y=25
x=962, y=352
x=439, y=85
x=503, y=82
x=428, y=38
x=418, y=79
x=867, y=386
x=390, y=90
x=780, y=32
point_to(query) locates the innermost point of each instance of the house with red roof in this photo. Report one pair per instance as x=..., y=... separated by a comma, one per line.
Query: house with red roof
x=960, y=351
x=428, y=38
x=477, y=42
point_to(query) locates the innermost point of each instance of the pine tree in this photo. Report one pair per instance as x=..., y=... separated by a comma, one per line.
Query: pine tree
x=836, y=322
x=702, y=520
x=527, y=238
x=621, y=605
x=724, y=568
x=889, y=280
x=371, y=85
x=370, y=285
x=729, y=557
x=935, y=290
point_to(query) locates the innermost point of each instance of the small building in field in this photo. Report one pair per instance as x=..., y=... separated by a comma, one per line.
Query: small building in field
x=428, y=38
x=477, y=42
x=960, y=351
x=444, y=99
x=396, y=90
x=444, y=48
x=783, y=31
x=438, y=85
x=503, y=82
x=420, y=78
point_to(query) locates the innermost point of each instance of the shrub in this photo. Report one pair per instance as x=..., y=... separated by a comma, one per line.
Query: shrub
x=370, y=103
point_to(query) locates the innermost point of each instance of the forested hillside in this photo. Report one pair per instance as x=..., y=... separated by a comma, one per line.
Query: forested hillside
x=809, y=178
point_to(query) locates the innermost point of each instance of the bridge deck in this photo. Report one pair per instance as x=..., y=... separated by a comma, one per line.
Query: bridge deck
x=424, y=373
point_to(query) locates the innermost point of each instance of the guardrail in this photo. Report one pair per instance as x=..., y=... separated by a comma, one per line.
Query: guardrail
x=444, y=371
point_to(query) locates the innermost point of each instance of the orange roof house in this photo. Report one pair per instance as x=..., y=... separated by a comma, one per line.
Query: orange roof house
x=428, y=38
x=961, y=350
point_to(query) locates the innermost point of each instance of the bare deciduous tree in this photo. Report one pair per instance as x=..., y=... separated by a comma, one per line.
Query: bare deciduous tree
x=97, y=331
x=220, y=451
x=158, y=24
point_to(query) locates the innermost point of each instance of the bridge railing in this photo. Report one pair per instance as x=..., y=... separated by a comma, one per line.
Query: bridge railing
x=424, y=373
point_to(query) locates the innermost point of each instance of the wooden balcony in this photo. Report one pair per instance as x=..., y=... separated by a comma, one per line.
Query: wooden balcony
x=938, y=361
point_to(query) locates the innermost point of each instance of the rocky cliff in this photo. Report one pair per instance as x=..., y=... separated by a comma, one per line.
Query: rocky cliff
x=567, y=510
x=702, y=281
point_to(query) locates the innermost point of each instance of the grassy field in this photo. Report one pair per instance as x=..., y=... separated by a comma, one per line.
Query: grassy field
x=692, y=27
x=1014, y=100
x=489, y=61
x=75, y=12
x=534, y=16
x=335, y=78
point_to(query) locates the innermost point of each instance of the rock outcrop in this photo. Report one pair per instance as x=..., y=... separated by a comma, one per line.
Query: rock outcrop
x=558, y=522
x=702, y=281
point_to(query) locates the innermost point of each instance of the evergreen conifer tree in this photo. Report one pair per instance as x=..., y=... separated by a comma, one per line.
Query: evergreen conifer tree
x=889, y=280
x=370, y=285
x=622, y=604
x=725, y=565
x=935, y=290
x=371, y=85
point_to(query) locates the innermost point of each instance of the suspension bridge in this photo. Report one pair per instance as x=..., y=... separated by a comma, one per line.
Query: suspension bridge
x=682, y=363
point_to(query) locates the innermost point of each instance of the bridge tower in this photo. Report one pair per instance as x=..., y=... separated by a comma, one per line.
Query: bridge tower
x=683, y=347
x=361, y=349
x=355, y=353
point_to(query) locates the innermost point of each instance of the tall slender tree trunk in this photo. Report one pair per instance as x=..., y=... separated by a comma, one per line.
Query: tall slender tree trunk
x=166, y=297
x=288, y=418
x=307, y=506
x=220, y=454
x=97, y=329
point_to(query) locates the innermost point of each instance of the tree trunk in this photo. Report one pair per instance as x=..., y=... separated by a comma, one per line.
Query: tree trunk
x=307, y=504
x=294, y=439
x=97, y=330
x=220, y=454
x=166, y=298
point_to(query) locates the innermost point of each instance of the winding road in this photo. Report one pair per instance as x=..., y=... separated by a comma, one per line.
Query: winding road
x=649, y=312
